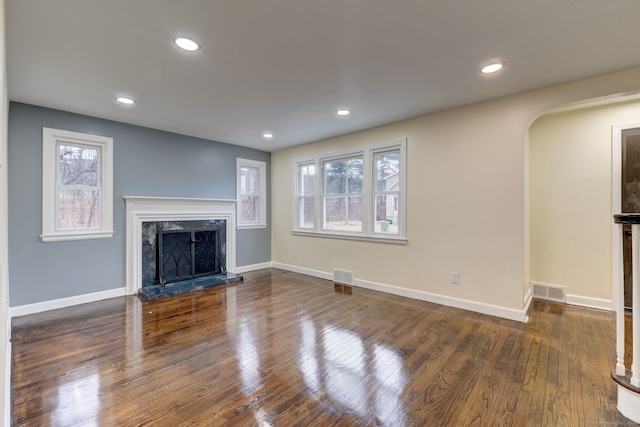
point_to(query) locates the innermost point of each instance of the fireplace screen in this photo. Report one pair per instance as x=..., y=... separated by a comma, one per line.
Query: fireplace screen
x=187, y=254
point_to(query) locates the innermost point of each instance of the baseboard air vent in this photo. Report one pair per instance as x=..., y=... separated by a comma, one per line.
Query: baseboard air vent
x=549, y=292
x=342, y=276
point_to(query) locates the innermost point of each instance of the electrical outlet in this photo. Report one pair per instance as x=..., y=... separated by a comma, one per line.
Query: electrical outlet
x=295, y=253
x=455, y=278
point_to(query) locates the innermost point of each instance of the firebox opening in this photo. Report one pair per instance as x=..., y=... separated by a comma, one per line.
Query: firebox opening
x=187, y=254
x=183, y=256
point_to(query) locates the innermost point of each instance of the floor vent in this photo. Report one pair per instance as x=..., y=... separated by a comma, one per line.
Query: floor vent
x=549, y=292
x=342, y=276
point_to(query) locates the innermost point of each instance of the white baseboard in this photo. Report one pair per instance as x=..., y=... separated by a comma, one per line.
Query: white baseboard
x=252, y=267
x=528, y=298
x=302, y=270
x=478, y=307
x=527, y=301
x=38, y=307
x=602, y=304
x=579, y=300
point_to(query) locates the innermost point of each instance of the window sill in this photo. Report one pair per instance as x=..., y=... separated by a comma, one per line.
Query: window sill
x=62, y=237
x=396, y=240
x=250, y=226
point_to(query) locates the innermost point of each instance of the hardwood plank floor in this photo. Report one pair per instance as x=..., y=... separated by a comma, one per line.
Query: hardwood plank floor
x=285, y=349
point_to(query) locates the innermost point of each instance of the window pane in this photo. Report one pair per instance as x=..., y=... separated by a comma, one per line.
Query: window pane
x=354, y=176
x=249, y=180
x=386, y=207
x=249, y=210
x=343, y=176
x=343, y=213
x=307, y=180
x=307, y=212
x=77, y=165
x=387, y=168
x=335, y=177
x=78, y=209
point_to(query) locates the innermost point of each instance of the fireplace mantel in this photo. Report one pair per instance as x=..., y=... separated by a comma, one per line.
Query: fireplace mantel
x=141, y=209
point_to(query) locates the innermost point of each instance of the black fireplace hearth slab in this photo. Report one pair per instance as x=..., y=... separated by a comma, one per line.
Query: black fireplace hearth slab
x=152, y=293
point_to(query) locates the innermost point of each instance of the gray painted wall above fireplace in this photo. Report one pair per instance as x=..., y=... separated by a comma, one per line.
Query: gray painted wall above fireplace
x=147, y=162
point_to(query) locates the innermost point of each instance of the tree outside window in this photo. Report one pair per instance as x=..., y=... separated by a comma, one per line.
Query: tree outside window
x=387, y=191
x=78, y=187
x=343, y=181
x=249, y=194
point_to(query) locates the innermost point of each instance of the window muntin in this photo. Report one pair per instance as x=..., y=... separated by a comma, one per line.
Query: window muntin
x=360, y=194
x=251, y=192
x=77, y=186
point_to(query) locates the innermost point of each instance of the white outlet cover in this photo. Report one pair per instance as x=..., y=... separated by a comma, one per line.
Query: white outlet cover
x=455, y=278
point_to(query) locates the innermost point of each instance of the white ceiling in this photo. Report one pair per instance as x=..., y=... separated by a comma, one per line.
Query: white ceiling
x=286, y=66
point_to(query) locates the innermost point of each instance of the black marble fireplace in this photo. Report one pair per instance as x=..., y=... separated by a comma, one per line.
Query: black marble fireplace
x=183, y=256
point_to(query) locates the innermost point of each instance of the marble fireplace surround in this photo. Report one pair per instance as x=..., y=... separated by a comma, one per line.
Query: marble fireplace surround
x=141, y=209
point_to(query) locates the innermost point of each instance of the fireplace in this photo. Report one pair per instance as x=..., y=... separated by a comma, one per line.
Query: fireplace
x=177, y=245
x=187, y=254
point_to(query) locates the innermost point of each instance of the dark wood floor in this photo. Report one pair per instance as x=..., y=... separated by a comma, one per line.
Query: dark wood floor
x=284, y=349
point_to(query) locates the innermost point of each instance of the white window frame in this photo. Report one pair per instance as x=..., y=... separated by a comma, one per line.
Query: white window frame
x=262, y=193
x=50, y=140
x=368, y=232
x=300, y=197
x=346, y=195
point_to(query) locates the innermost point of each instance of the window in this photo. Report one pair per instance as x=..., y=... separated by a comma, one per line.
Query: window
x=306, y=195
x=386, y=191
x=342, y=194
x=77, y=186
x=251, y=188
x=360, y=193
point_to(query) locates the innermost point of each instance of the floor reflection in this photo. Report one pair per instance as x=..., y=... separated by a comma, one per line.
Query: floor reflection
x=344, y=367
x=248, y=358
x=78, y=401
x=308, y=362
x=391, y=378
x=366, y=377
x=337, y=366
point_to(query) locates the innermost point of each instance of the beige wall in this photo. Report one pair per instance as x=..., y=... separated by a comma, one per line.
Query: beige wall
x=571, y=213
x=466, y=198
x=454, y=193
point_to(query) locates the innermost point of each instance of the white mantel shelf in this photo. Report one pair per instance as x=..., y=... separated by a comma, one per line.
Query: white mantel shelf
x=177, y=200
x=141, y=209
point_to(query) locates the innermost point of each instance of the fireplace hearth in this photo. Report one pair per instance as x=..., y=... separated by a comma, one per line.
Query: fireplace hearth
x=152, y=293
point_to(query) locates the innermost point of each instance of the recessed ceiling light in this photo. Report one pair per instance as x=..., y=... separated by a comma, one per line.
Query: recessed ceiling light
x=267, y=135
x=186, y=44
x=492, y=68
x=343, y=112
x=125, y=100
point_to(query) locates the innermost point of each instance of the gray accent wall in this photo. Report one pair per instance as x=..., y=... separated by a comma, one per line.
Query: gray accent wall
x=147, y=162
